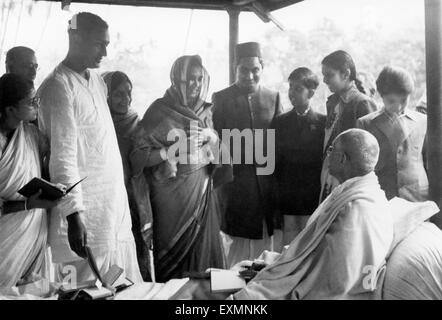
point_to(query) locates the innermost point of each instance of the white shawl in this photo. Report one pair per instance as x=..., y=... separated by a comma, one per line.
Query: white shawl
x=339, y=255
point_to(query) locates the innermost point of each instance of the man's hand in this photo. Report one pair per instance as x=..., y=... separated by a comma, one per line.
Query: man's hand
x=242, y=265
x=77, y=234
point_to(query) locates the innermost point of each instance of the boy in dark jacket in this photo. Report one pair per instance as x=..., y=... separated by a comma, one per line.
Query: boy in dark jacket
x=299, y=139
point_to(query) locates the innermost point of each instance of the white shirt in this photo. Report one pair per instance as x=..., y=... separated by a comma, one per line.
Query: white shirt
x=75, y=116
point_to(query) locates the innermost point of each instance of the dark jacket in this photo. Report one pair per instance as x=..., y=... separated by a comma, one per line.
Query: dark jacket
x=299, y=143
x=248, y=199
x=400, y=168
x=355, y=105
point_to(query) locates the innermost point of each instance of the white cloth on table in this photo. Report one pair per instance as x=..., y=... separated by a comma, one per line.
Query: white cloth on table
x=43, y=290
x=152, y=291
x=75, y=116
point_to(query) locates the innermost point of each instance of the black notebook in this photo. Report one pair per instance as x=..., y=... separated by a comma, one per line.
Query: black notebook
x=50, y=191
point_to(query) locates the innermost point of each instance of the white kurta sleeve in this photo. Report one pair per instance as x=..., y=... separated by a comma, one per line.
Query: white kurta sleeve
x=57, y=117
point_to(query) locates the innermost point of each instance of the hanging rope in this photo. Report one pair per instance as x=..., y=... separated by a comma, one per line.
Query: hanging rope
x=19, y=22
x=48, y=15
x=188, y=31
x=5, y=28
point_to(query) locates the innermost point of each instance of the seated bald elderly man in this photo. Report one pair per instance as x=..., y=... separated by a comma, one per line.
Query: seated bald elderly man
x=342, y=251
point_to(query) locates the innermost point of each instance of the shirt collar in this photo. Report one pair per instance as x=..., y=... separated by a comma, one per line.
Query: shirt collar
x=83, y=80
x=347, y=95
x=304, y=113
x=407, y=113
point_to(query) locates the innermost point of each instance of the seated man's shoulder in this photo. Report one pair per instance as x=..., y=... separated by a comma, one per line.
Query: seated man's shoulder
x=363, y=213
x=363, y=206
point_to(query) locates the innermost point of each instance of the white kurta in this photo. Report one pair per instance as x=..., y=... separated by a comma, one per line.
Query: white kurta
x=75, y=116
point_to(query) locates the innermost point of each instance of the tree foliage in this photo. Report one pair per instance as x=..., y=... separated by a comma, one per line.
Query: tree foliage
x=371, y=49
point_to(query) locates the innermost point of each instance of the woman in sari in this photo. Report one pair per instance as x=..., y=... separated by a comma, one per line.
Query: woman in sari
x=23, y=222
x=186, y=234
x=125, y=119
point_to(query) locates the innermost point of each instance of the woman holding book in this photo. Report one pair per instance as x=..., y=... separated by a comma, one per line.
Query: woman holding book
x=186, y=234
x=23, y=221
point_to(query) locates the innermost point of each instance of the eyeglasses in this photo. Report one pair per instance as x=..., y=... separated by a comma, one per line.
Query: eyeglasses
x=34, y=103
x=31, y=66
x=331, y=148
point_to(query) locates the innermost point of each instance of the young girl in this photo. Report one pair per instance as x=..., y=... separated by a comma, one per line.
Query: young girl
x=401, y=135
x=347, y=103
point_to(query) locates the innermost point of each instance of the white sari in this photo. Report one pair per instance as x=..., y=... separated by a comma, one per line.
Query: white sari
x=22, y=234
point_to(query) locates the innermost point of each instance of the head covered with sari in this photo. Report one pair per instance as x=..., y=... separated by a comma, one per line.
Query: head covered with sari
x=176, y=110
x=184, y=223
x=124, y=121
x=114, y=79
x=181, y=79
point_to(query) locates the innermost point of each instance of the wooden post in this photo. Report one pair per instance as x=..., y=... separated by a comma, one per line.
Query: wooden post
x=233, y=40
x=433, y=56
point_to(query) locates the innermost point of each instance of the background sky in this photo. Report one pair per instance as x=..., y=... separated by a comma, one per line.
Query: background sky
x=145, y=41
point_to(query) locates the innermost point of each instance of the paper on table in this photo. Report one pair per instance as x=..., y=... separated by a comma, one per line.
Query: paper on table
x=226, y=281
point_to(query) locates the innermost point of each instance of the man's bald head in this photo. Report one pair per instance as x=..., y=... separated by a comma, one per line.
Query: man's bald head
x=22, y=61
x=360, y=151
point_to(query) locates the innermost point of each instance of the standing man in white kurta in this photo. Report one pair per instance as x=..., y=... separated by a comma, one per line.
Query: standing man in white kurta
x=75, y=116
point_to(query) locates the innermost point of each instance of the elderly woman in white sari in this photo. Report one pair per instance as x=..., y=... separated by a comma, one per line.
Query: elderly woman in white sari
x=23, y=222
x=125, y=119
